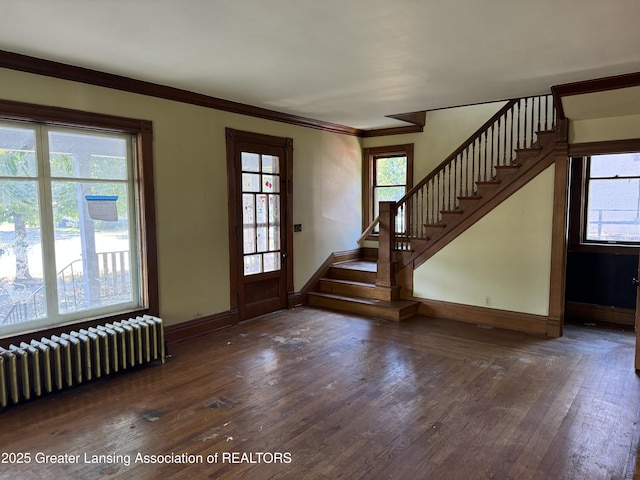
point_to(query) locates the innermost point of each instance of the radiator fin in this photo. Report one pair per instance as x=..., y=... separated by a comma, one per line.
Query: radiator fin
x=32, y=369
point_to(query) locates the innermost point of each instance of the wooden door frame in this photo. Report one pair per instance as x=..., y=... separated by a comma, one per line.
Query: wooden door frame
x=233, y=137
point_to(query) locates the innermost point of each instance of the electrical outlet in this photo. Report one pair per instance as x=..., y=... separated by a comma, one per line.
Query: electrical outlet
x=297, y=227
x=487, y=301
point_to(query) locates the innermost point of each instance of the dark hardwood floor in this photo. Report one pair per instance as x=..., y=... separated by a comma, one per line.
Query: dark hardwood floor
x=312, y=394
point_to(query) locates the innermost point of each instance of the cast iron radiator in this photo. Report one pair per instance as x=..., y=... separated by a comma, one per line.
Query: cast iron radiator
x=42, y=366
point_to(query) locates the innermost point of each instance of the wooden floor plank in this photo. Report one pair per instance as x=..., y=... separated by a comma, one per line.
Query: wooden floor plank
x=350, y=397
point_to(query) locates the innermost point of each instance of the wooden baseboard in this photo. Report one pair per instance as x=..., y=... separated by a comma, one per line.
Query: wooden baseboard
x=200, y=326
x=520, y=322
x=587, y=312
x=295, y=299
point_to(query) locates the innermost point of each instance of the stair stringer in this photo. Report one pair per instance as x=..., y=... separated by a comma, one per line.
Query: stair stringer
x=530, y=167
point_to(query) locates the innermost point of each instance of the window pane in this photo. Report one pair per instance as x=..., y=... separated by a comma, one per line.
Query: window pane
x=84, y=246
x=249, y=222
x=614, y=210
x=274, y=222
x=22, y=287
x=270, y=164
x=391, y=171
x=388, y=194
x=91, y=245
x=385, y=194
x=250, y=182
x=270, y=183
x=17, y=152
x=620, y=165
x=252, y=264
x=261, y=222
x=271, y=262
x=87, y=156
x=250, y=162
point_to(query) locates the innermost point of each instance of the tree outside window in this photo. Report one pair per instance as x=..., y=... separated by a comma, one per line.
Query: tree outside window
x=68, y=228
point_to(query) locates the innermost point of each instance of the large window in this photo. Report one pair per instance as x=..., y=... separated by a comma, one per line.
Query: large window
x=388, y=175
x=613, y=199
x=72, y=233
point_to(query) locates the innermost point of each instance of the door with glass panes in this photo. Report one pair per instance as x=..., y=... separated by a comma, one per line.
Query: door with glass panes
x=259, y=234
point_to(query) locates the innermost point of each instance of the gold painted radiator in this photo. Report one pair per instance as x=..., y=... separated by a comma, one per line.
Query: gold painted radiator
x=29, y=370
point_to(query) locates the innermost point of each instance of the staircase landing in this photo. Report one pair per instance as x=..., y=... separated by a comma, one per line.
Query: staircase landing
x=350, y=287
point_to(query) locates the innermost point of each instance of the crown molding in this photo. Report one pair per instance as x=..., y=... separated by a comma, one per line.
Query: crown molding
x=49, y=68
x=592, y=86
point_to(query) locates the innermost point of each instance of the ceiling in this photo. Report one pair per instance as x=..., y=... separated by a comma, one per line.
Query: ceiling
x=350, y=62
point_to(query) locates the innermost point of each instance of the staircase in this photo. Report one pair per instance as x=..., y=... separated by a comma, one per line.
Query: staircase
x=350, y=286
x=509, y=150
x=506, y=180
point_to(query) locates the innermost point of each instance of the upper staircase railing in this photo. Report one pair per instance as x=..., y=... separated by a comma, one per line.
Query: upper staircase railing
x=492, y=146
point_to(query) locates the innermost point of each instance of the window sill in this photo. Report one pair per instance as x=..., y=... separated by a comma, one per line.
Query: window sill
x=611, y=248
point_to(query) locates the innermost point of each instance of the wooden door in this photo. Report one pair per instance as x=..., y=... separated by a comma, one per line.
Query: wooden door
x=259, y=220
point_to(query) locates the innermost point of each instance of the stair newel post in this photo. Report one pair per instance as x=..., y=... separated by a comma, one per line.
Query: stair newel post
x=386, y=275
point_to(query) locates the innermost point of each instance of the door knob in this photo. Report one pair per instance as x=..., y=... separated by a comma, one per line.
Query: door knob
x=635, y=282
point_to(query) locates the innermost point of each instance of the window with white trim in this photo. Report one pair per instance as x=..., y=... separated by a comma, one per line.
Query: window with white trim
x=69, y=228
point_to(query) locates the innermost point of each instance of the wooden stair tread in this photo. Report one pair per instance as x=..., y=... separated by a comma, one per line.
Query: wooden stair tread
x=388, y=304
x=508, y=178
x=394, y=310
x=348, y=282
x=361, y=265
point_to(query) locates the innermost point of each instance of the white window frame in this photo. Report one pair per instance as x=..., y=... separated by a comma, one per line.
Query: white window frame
x=142, y=230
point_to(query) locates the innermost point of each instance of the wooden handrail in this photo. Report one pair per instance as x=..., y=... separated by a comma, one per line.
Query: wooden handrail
x=492, y=147
x=368, y=230
x=474, y=136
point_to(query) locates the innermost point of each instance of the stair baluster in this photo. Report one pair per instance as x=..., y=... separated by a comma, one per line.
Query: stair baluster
x=514, y=127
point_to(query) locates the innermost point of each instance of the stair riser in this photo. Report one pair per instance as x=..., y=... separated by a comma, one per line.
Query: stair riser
x=352, y=275
x=467, y=203
x=487, y=189
x=503, y=172
x=379, y=293
x=449, y=218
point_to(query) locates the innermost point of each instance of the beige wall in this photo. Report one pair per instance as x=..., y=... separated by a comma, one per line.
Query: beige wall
x=191, y=187
x=189, y=148
x=487, y=260
x=604, y=129
x=445, y=130
x=502, y=261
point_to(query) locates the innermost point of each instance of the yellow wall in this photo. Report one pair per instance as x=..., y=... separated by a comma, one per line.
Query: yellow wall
x=191, y=199
x=445, y=130
x=604, y=129
x=191, y=187
x=487, y=260
x=502, y=261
